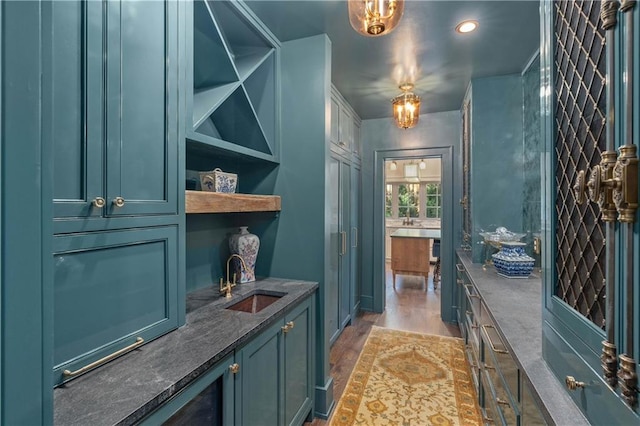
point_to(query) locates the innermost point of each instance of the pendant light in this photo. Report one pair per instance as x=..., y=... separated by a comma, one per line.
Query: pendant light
x=375, y=17
x=406, y=107
x=422, y=164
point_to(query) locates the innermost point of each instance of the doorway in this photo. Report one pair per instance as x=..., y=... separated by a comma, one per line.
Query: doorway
x=400, y=196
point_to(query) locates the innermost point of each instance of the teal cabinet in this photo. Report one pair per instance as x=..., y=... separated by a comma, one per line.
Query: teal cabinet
x=114, y=111
x=355, y=263
x=345, y=126
x=339, y=305
x=274, y=381
x=111, y=105
x=207, y=401
x=299, y=359
x=260, y=378
x=343, y=187
x=590, y=300
x=110, y=288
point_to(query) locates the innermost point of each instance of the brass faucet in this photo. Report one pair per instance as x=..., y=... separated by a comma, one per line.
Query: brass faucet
x=226, y=287
x=407, y=221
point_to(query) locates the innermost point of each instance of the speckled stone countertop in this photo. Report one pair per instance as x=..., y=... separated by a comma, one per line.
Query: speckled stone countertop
x=128, y=388
x=416, y=233
x=515, y=306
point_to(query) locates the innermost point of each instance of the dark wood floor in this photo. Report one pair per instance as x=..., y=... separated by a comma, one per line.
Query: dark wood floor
x=408, y=307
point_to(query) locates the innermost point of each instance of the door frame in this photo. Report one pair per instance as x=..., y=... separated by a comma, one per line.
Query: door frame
x=447, y=313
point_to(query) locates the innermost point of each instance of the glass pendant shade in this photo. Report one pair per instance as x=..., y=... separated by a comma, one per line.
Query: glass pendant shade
x=406, y=108
x=375, y=17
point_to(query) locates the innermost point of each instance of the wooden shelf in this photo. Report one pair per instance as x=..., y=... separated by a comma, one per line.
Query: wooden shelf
x=217, y=202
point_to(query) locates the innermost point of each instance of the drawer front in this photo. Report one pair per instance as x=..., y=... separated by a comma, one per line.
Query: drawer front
x=503, y=407
x=497, y=358
x=472, y=358
x=109, y=289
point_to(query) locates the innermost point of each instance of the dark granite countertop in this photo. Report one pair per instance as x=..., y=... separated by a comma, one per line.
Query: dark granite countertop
x=516, y=308
x=127, y=388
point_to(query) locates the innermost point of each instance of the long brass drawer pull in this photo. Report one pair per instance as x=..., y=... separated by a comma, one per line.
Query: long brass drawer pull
x=489, y=367
x=493, y=347
x=467, y=287
x=459, y=281
x=459, y=267
x=503, y=402
x=94, y=364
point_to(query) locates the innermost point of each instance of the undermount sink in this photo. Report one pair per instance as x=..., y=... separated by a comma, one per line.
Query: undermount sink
x=254, y=303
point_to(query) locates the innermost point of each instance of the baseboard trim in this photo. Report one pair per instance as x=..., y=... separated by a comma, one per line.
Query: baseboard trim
x=366, y=303
x=324, y=400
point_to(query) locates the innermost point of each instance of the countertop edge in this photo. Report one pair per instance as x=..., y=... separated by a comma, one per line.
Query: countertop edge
x=555, y=403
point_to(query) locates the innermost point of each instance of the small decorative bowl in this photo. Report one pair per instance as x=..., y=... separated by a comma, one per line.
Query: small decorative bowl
x=218, y=181
x=512, y=262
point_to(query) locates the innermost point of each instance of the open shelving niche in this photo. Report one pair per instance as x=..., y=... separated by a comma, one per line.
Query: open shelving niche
x=234, y=109
x=235, y=85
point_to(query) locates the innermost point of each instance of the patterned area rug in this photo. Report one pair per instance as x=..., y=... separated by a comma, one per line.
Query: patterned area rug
x=409, y=379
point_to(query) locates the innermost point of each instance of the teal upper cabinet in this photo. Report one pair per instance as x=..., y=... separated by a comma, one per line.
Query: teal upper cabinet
x=114, y=111
x=234, y=102
x=345, y=126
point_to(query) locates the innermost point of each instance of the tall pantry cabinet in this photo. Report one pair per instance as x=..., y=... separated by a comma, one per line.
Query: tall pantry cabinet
x=111, y=111
x=344, y=193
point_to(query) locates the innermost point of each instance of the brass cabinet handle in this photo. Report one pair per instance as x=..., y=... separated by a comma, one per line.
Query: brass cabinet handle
x=98, y=202
x=343, y=243
x=573, y=384
x=234, y=368
x=502, y=402
x=488, y=367
x=487, y=419
x=493, y=347
x=467, y=286
x=67, y=373
x=288, y=326
x=459, y=281
x=459, y=267
x=118, y=202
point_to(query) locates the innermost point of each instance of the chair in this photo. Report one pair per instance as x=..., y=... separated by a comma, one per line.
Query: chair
x=435, y=252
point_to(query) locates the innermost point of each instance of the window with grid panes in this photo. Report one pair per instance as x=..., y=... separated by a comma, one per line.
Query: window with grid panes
x=408, y=199
x=388, y=200
x=433, y=201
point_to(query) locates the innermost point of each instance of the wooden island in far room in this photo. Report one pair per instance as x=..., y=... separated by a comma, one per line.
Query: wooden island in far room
x=411, y=251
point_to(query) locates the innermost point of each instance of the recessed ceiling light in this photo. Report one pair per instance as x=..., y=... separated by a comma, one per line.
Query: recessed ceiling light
x=466, y=26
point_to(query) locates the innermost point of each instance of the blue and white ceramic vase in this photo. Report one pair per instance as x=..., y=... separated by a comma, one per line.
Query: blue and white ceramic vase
x=512, y=262
x=246, y=245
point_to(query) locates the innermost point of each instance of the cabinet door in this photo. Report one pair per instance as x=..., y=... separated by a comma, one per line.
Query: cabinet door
x=356, y=144
x=355, y=266
x=115, y=73
x=345, y=261
x=75, y=118
x=298, y=364
x=335, y=121
x=207, y=401
x=109, y=289
x=259, y=378
x=141, y=114
x=346, y=128
x=335, y=248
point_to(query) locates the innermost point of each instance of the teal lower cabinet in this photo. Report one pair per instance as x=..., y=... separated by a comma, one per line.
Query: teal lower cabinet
x=501, y=386
x=274, y=382
x=112, y=290
x=267, y=381
x=207, y=401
